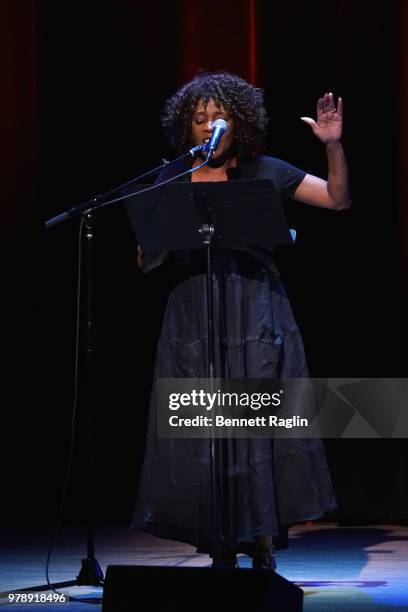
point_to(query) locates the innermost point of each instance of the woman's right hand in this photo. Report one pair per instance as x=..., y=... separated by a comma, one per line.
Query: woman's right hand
x=139, y=257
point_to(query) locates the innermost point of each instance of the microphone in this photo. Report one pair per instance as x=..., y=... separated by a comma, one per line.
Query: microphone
x=219, y=128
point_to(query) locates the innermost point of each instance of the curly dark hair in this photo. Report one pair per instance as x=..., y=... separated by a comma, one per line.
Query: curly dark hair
x=242, y=101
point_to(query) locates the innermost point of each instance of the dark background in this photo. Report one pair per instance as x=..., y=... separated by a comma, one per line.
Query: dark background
x=83, y=86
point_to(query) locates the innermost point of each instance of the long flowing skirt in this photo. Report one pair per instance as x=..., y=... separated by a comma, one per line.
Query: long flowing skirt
x=266, y=483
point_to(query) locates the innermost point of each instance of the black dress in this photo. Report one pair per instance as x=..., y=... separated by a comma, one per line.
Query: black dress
x=266, y=484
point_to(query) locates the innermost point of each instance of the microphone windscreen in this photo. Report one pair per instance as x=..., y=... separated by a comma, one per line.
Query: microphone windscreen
x=220, y=123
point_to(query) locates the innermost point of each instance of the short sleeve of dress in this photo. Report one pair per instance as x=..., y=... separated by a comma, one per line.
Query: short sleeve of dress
x=285, y=177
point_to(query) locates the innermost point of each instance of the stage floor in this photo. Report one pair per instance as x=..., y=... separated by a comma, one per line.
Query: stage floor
x=340, y=569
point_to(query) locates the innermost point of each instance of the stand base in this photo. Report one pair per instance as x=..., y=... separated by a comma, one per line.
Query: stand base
x=90, y=574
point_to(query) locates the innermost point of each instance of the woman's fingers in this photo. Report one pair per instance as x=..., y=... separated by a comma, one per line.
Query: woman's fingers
x=327, y=104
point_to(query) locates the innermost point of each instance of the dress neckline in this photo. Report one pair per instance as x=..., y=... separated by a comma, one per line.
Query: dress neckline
x=233, y=173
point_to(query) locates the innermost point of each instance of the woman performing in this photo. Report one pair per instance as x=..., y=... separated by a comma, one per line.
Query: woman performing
x=267, y=485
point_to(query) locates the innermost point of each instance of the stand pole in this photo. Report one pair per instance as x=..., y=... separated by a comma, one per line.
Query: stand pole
x=91, y=572
x=207, y=231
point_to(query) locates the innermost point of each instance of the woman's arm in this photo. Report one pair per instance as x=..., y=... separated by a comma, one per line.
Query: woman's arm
x=333, y=193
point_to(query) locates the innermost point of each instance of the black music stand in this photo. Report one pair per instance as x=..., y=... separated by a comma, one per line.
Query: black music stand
x=227, y=215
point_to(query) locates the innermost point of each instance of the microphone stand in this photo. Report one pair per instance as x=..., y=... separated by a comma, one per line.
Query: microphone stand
x=91, y=573
x=207, y=232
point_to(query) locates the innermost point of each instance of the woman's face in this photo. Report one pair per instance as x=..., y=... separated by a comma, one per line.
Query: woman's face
x=202, y=124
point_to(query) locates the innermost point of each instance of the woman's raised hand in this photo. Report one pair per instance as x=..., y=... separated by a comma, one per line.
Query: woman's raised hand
x=328, y=127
